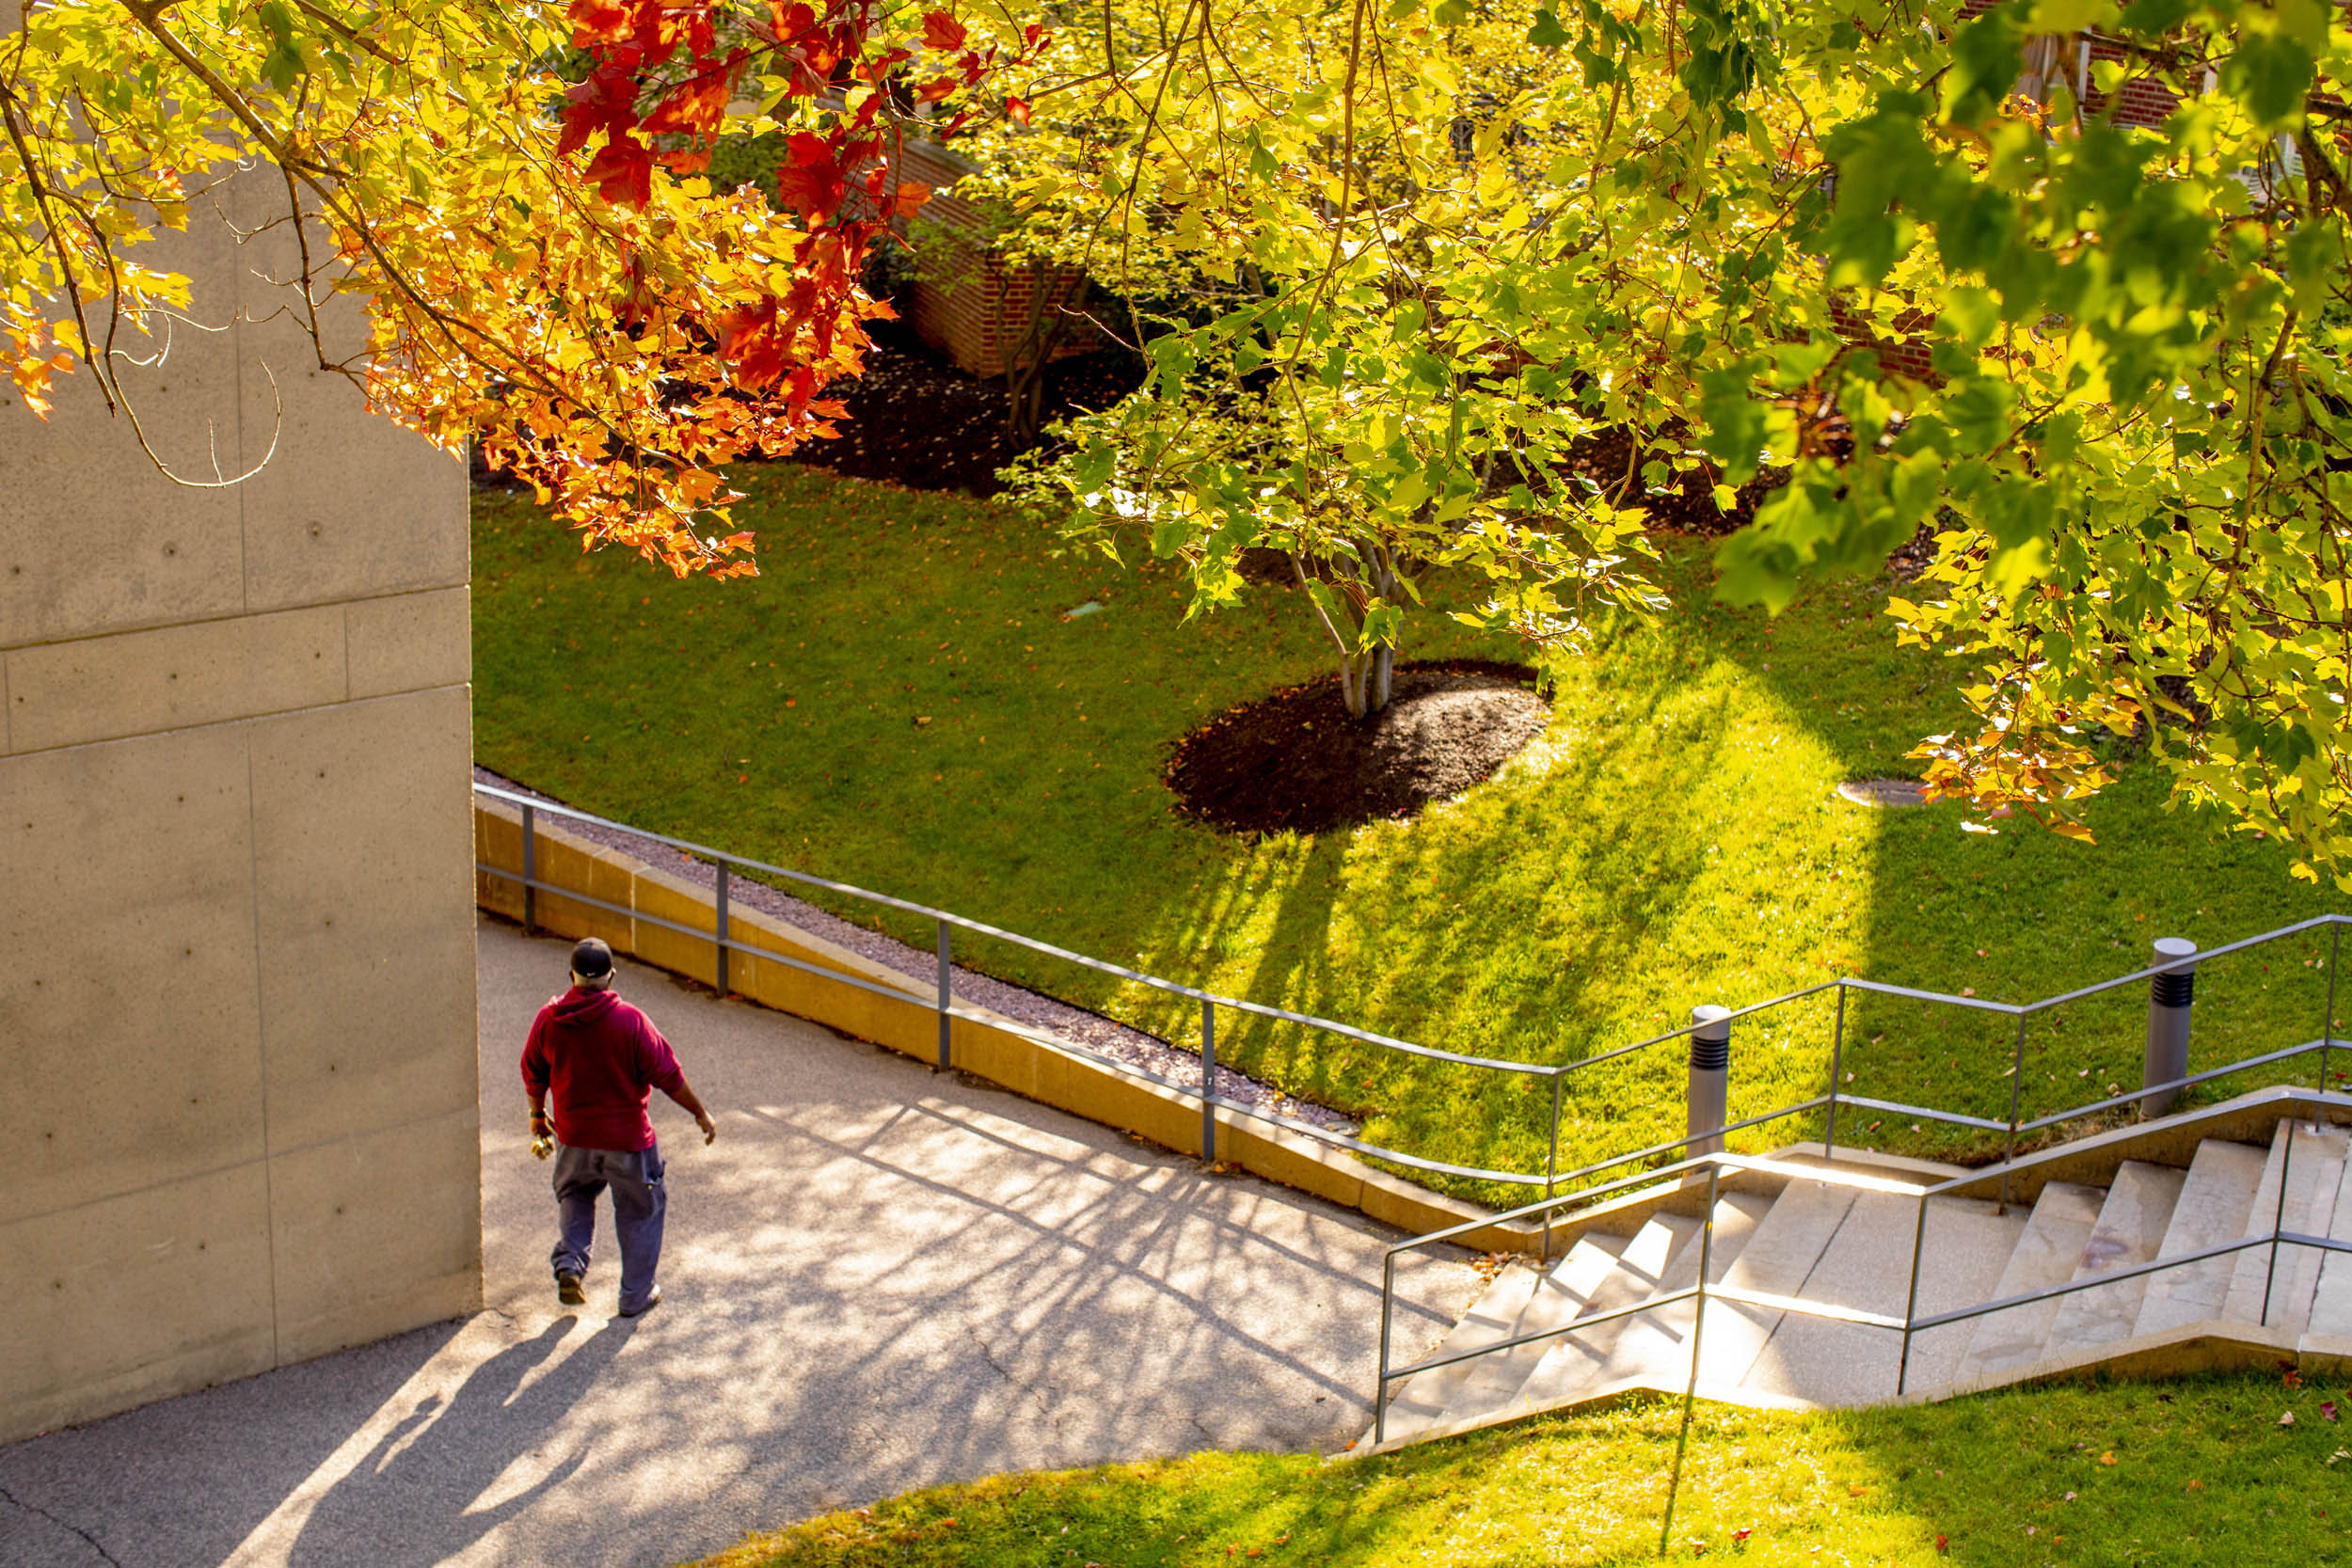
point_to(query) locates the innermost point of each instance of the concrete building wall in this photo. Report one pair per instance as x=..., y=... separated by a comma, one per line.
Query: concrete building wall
x=237, y=1057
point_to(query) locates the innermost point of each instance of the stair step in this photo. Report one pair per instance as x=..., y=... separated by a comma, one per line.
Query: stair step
x=2313, y=1177
x=1586, y=1361
x=1590, y=1279
x=1963, y=1250
x=2214, y=1207
x=1419, y=1402
x=2045, y=1255
x=2331, y=1302
x=2130, y=1230
x=1778, y=1259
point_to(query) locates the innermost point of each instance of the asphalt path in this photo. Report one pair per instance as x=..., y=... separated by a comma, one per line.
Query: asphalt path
x=878, y=1278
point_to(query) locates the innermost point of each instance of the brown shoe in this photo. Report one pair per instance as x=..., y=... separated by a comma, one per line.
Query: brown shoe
x=567, y=1290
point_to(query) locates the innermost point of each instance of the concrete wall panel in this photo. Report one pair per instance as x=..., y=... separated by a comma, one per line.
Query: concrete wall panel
x=143, y=551
x=362, y=840
x=130, y=1043
x=173, y=677
x=409, y=641
x=308, y=540
x=114, y=1302
x=377, y=1233
x=237, y=1012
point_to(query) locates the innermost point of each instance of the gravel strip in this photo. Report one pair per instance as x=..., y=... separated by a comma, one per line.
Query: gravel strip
x=1074, y=1025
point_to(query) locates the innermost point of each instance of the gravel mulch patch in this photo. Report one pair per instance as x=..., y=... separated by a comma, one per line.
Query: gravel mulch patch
x=1075, y=1026
x=1296, y=761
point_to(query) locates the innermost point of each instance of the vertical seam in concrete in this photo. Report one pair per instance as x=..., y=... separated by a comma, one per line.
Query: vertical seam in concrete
x=8, y=742
x=244, y=570
x=346, y=608
x=261, y=1038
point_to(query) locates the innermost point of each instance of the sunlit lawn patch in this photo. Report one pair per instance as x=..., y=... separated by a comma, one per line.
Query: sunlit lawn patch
x=898, y=700
x=2191, y=1472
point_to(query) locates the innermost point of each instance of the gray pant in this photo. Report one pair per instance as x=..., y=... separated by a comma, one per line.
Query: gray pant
x=639, y=1199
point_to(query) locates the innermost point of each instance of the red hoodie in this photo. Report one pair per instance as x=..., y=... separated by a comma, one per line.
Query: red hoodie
x=599, y=1057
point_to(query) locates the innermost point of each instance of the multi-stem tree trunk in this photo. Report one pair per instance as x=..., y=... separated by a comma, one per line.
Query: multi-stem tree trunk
x=1367, y=675
x=1025, y=366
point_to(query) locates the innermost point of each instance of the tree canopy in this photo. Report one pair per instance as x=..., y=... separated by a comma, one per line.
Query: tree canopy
x=1397, y=266
x=1420, y=250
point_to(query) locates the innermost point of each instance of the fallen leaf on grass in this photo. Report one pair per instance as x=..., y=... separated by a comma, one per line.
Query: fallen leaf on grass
x=1942, y=1544
x=2286, y=1418
x=2197, y=1486
x=1741, y=1534
x=2108, y=1458
x=2328, y=1408
x=2339, y=1453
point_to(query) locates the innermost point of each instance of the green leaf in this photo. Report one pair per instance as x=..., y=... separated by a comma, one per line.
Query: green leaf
x=2271, y=72
x=1546, y=33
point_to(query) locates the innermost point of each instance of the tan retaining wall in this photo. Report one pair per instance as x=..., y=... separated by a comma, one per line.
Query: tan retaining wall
x=990, y=1048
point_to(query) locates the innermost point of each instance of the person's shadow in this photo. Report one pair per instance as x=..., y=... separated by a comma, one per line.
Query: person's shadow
x=410, y=1500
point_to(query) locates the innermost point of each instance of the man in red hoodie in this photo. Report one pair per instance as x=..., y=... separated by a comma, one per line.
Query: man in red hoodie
x=599, y=1059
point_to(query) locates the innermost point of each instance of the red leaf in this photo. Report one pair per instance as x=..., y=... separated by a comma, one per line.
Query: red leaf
x=622, y=170
x=1942, y=1544
x=699, y=105
x=942, y=32
x=933, y=91
x=1017, y=110
x=908, y=199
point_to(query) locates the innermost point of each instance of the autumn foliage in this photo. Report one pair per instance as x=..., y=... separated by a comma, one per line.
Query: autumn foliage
x=542, y=270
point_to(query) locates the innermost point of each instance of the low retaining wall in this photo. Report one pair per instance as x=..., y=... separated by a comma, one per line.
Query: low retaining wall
x=990, y=1047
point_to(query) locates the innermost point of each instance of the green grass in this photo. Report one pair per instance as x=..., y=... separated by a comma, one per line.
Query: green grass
x=1673, y=838
x=2196, y=1471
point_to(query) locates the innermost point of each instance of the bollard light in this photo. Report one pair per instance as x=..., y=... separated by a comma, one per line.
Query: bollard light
x=2169, y=994
x=1710, y=1079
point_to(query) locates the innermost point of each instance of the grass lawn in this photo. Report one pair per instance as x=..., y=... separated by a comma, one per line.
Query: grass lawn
x=897, y=700
x=2198, y=1471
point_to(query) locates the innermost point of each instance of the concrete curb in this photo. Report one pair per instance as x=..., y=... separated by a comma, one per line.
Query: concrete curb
x=989, y=1046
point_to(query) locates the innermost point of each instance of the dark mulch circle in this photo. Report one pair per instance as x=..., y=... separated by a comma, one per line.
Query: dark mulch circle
x=1296, y=761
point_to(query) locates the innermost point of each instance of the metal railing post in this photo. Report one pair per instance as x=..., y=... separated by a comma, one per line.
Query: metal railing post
x=531, y=869
x=1710, y=1093
x=720, y=929
x=1380, y=1391
x=2278, y=1215
x=2327, y=1024
x=1551, y=1162
x=1698, y=1327
x=1208, y=1100
x=945, y=999
x=2017, y=1084
x=1836, y=1055
x=2168, y=995
x=1911, y=1302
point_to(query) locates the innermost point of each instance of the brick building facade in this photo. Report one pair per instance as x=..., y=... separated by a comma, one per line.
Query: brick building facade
x=983, y=309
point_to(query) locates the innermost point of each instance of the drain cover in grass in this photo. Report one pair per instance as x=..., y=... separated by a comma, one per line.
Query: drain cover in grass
x=1883, y=792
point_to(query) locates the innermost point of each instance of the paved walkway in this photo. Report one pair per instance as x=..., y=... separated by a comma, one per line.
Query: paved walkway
x=877, y=1278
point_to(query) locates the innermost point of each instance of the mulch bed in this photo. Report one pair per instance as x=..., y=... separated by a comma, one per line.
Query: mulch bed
x=1296, y=761
x=916, y=421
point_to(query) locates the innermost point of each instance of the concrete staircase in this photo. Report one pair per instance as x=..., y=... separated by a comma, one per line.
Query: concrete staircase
x=1845, y=1247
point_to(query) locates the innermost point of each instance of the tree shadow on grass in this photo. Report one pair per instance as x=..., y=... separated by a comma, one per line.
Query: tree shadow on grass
x=1513, y=923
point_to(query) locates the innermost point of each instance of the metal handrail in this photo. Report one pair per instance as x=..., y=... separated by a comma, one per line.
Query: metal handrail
x=1912, y=1322
x=1551, y=1179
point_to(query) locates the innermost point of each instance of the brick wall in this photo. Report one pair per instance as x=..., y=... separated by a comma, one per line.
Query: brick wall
x=974, y=304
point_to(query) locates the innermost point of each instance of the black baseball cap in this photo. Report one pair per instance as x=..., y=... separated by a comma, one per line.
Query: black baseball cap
x=591, y=959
